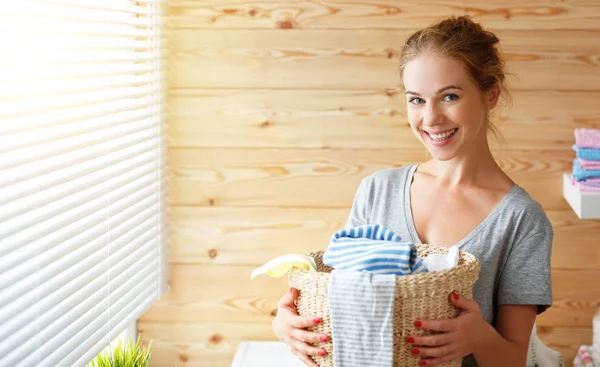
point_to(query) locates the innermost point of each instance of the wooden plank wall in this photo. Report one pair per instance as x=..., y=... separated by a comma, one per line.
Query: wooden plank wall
x=278, y=108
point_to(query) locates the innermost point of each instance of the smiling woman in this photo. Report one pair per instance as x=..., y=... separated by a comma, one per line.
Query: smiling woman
x=453, y=77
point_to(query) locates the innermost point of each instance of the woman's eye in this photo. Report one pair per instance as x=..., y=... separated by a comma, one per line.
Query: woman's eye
x=416, y=100
x=450, y=97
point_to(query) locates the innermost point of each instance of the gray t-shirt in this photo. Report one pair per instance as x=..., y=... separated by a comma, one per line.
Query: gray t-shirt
x=513, y=243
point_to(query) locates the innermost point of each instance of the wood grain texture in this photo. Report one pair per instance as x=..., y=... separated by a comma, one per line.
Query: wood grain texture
x=536, y=14
x=314, y=178
x=225, y=293
x=365, y=59
x=218, y=293
x=220, y=235
x=373, y=119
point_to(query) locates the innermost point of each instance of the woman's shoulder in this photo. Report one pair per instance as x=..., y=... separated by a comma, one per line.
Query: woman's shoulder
x=390, y=176
x=526, y=212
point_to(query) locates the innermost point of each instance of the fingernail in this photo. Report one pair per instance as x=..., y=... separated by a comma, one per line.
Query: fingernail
x=291, y=289
x=422, y=363
x=410, y=339
x=414, y=351
x=418, y=323
x=324, y=338
x=455, y=296
x=322, y=353
x=317, y=320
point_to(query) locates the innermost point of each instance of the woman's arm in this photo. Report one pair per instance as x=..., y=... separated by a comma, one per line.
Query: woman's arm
x=507, y=344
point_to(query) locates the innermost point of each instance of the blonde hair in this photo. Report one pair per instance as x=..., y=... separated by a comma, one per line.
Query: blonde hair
x=462, y=39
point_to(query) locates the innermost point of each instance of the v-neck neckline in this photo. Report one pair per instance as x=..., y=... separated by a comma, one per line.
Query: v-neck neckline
x=484, y=223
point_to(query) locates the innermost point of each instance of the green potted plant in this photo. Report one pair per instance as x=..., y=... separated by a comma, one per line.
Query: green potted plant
x=125, y=354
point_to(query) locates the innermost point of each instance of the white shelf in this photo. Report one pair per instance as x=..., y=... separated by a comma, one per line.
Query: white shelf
x=585, y=204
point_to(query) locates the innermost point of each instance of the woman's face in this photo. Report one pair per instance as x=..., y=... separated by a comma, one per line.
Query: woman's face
x=446, y=109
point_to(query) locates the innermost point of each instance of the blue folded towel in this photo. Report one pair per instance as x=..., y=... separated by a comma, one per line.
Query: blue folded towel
x=373, y=248
x=580, y=174
x=587, y=153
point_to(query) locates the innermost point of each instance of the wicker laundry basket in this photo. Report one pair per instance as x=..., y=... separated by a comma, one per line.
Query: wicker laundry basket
x=423, y=296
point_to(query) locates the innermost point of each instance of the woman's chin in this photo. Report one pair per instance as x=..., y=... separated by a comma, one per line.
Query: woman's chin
x=441, y=154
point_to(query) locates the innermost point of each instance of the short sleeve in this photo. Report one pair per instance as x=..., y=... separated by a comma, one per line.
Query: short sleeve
x=359, y=214
x=526, y=276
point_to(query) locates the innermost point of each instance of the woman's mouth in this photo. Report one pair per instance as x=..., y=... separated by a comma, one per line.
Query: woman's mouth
x=441, y=138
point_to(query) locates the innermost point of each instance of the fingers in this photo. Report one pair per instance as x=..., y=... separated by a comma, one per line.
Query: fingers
x=291, y=329
x=309, y=337
x=436, y=325
x=307, y=349
x=303, y=350
x=438, y=361
x=463, y=302
x=302, y=322
x=431, y=340
x=288, y=299
x=438, y=352
x=304, y=358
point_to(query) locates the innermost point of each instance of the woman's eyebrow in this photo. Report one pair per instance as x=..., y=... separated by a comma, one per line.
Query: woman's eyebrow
x=438, y=92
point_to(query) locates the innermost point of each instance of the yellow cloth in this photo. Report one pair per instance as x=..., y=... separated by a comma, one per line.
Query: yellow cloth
x=282, y=264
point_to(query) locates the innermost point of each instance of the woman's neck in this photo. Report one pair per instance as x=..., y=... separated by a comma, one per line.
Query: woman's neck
x=475, y=166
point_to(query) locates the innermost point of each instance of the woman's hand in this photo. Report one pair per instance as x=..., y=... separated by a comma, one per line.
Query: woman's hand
x=289, y=327
x=460, y=336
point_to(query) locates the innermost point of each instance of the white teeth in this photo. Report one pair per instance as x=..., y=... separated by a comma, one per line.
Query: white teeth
x=443, y=135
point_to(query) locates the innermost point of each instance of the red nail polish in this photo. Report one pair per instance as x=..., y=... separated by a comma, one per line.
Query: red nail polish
x=317, y=320
x=422, y=363
x=455, y=296
x=410, y=339
x=418, y=323
x=324, y=339
x=414, y=351
x=322, y=353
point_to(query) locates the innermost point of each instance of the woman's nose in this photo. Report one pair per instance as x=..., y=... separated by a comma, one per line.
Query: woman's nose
x=432, y=116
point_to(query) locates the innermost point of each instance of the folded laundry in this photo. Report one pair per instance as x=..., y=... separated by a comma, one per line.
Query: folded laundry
x=580, y=174
x=373, y=248
x=587, y=153
x=585, y=186
x=587, y=138
x=589, y=164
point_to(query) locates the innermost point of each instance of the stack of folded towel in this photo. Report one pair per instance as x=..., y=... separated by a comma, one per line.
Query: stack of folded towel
x=586, y=166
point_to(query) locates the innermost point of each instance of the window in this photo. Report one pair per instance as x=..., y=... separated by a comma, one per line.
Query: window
x=82, y=238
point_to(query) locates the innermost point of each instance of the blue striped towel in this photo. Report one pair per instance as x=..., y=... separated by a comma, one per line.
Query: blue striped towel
x=580, y=174
x=361, y=307
x=373, y=248
x=587, y=153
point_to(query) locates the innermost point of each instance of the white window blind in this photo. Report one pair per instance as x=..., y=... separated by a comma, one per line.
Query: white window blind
x=82, y=239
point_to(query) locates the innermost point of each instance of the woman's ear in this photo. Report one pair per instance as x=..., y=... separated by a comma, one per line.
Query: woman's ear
x=491, y=97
